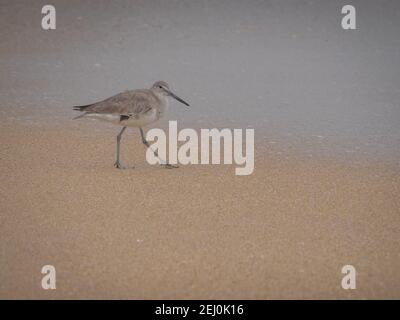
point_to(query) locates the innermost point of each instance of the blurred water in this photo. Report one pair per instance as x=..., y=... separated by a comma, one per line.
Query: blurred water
x=285, y=68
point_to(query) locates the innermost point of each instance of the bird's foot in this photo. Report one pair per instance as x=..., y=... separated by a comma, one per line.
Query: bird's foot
x=119, y=165
x=169, y=166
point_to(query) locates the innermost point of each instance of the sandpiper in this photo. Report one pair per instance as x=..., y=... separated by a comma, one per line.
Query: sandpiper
x=132, y=108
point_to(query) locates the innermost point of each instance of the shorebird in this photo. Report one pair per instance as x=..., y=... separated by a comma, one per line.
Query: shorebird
x=132, y=108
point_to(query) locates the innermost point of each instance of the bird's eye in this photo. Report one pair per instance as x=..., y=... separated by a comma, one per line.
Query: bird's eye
x=160, y=87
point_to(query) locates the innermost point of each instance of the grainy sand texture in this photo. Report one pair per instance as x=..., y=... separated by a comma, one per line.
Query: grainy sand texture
x=195, y=232
x=324, y=106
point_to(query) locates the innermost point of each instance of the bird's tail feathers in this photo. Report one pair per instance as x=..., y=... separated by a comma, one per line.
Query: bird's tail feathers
x=81, y=108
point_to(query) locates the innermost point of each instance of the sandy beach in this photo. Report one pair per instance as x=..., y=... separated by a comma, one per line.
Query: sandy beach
x=197, y=232
x=323, y=101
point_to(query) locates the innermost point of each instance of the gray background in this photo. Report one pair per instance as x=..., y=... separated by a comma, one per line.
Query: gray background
x=285, y=68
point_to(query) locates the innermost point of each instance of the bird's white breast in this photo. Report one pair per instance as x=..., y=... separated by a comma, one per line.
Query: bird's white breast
x=163, y=107
x=134, y=121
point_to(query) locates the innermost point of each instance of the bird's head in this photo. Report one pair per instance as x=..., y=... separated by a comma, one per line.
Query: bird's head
x=162, y=88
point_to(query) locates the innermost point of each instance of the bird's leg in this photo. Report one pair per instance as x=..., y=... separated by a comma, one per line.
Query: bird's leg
x=117, y=163
x=164, y=163
x=147, y=144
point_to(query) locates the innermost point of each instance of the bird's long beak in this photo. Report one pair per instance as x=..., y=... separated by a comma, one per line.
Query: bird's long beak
x=177, y=98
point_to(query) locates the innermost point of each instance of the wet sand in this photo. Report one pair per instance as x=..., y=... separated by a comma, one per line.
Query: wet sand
x=197, y=232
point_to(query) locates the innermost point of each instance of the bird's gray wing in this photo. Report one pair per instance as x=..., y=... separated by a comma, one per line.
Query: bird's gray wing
x=128, y=103
x=140, y=105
